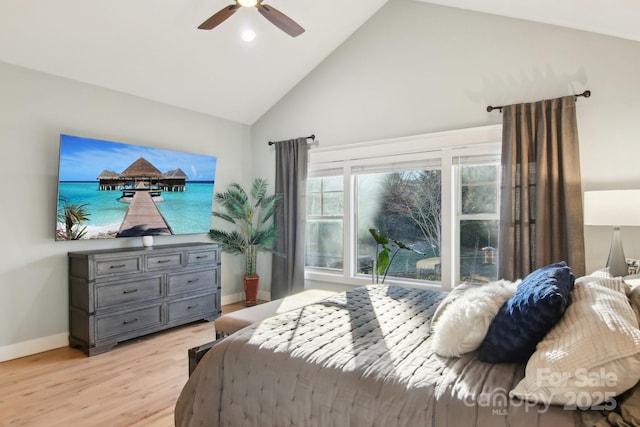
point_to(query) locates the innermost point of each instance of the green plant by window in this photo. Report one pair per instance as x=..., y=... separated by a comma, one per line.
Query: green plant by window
x=386, y=250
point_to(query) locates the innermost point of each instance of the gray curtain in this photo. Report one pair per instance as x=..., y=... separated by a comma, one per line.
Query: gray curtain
x=541, y=217
x=287, y=274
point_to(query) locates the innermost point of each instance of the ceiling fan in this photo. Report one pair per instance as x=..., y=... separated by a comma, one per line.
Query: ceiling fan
x=274, y=16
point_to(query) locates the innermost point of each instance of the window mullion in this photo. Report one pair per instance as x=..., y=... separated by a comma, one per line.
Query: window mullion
x=349, y=252
x=448, y=248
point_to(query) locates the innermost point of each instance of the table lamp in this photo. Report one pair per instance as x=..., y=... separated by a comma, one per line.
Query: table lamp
x=617, y=208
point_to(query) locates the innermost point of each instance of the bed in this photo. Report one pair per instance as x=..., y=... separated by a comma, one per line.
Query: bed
x=360, y=358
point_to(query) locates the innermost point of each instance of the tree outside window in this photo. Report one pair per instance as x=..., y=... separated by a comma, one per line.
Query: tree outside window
x=405, y=206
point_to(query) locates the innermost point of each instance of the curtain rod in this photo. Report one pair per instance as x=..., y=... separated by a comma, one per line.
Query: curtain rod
x=586, y=94
x=311, y=137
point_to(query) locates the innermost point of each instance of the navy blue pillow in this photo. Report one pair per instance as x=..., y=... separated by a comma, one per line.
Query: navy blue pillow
x=524, y=319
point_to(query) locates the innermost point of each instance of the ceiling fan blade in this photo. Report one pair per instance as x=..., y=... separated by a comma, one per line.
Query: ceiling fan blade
x=280, y=20
x=219, y=17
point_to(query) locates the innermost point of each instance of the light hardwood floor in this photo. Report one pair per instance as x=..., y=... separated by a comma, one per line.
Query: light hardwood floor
x=135, y=384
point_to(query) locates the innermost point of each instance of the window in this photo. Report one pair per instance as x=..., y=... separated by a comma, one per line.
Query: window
x=325, y=210
x=477, y=217
x=438, y=194
x=403, y=204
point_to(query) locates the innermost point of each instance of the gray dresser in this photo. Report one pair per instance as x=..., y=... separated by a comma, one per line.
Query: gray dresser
x=120, y=294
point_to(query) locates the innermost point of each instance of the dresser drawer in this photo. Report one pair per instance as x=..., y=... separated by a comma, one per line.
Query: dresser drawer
x=203, y=257
x=118, y=324
x=109, y=267
x=130, y=291
x=193, y=281
x=192, y=308
x=158, y=262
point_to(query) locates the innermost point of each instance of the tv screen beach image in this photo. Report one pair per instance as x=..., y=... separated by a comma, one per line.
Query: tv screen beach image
x=111, y=189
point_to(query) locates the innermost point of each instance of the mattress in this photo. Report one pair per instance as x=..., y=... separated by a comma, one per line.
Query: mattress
x=359, y=358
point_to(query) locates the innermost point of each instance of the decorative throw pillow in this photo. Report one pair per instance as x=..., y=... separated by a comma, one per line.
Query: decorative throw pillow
x=591, y=355
x=526, y=317
x=464, y=322
x=453, y=295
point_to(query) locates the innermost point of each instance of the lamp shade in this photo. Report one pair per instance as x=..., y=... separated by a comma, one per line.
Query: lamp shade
x=612, y=207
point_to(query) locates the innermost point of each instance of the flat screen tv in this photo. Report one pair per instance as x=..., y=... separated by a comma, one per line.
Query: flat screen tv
x=112, y=189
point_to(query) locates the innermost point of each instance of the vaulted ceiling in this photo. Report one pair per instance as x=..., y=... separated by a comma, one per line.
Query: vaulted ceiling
x=153, y=49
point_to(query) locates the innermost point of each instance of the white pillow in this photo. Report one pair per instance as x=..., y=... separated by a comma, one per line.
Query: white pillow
x=453, y=295
x=463, y=324
x=593, y=352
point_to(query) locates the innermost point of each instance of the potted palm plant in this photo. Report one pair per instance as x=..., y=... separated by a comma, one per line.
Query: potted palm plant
x=250, y=214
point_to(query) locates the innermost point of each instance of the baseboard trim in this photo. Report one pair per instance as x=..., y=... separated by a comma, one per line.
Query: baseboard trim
x=264, y=295
x=38, y=345
x=232, y=298
x=239, y=296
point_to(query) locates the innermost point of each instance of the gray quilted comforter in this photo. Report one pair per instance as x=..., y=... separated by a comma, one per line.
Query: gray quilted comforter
x=360, y=358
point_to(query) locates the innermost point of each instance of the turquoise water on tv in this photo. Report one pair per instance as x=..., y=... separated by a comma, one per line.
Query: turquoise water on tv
x=186, y=212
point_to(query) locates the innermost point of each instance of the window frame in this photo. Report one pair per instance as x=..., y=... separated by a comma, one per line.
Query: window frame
x=324, y=174
x=489, y=159
x=485, y=140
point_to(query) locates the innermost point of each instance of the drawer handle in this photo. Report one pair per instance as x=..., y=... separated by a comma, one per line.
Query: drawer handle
x=126, y=322
x=191, y=306
x=163, y=261
x=202, y=256
x=118, y=266
x=130, y=291
x=193, y=280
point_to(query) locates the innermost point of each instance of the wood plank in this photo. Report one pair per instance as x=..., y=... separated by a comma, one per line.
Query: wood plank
x=135, y=384
x=143, y=217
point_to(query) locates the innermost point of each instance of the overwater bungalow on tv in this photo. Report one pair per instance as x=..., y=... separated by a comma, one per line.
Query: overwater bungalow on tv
x=141, y=174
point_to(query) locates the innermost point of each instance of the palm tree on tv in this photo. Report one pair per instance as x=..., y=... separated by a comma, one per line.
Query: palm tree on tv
x=73, y=216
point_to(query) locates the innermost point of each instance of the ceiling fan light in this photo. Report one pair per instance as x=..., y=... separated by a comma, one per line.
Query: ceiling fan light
x=248, y=35
x=247, y=3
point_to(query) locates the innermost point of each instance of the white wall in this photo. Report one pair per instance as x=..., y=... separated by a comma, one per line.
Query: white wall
x=34, y=109
x=416, y=68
